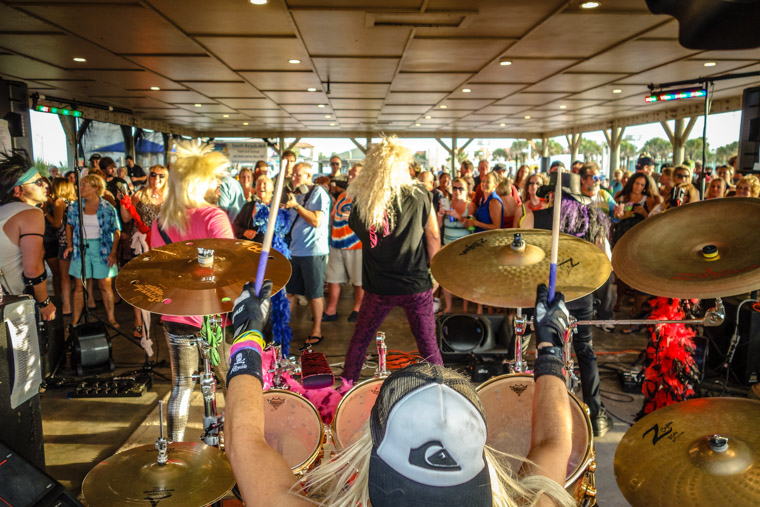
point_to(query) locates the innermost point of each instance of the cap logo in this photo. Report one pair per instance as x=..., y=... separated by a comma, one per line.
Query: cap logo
x=433, y=456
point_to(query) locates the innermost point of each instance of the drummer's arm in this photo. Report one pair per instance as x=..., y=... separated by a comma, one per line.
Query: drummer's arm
x=262, y=475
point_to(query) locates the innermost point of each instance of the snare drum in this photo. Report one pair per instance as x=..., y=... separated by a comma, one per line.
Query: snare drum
x=293, y=428
x=353, y=411
x=508, y=403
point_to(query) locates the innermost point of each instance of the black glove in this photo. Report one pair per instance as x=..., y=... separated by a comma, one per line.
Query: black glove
x=251, y=312
x=552, y=319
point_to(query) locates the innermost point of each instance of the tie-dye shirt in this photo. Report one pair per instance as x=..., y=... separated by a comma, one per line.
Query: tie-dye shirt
x=342, y=237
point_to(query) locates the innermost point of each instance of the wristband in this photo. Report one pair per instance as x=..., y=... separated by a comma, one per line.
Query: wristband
x=550, y=351
x=43, y=304
x=248, y=339
x=548, y=364
x=29, y=282
x=246, y=361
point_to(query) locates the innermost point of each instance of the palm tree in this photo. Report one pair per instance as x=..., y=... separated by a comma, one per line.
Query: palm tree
x=660, y=149
x=590, y=150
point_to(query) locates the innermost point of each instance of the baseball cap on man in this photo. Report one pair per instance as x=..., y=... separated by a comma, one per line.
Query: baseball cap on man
x=644, y=160
x=428, y=435
x=557, y=163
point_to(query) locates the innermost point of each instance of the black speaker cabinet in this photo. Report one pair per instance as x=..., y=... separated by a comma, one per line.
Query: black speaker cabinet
x=461, y=335
x=14, y=109
x=749, y=133
x=746, y=363
x=20, y=423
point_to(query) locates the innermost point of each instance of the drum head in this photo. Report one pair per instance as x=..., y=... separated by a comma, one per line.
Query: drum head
x=508, y=403
x=353, y=411
x=292, y=427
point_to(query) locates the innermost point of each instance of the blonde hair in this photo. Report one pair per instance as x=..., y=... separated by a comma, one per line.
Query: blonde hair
x=753, y=182
x=96, y=181
x=144, y=193
x=196, y=168
x=64, y=189
x=343, y=481
x=384, y=177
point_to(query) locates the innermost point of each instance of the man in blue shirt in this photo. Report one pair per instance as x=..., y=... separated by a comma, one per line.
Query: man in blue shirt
x=231, y=197
x=309, y=246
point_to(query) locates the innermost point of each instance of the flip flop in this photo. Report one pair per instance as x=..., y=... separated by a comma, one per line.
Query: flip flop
x=309, y=344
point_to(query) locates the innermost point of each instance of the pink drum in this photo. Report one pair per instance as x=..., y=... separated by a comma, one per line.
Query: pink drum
x=508, y=403
x=293, y=428
x=353, y=411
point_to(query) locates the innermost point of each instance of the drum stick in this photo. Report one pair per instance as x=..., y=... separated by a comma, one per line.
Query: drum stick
x=274, y=208
x=555, y=234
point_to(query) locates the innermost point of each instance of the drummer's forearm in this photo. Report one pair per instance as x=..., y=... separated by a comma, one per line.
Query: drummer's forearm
x=262, y=475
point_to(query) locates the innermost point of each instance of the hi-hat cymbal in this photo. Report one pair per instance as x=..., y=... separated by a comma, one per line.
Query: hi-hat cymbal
x=484, y=267
x=196, y=474
x=703, y=451
x=669, y=254
x=170, y=280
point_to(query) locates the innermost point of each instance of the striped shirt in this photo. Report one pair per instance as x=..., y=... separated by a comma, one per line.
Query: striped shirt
x=342, y=237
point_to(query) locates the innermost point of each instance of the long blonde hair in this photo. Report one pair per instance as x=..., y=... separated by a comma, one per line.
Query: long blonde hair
x=381, y=182
x=196, y=169
x=343, y=481
x=144, y=194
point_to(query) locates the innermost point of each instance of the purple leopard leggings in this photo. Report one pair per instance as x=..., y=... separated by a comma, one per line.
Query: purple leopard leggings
x=419, y=312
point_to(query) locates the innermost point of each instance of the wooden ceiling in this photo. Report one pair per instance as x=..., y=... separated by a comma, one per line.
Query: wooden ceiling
x=364, y=65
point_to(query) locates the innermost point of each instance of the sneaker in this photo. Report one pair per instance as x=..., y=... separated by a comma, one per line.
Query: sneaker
x=301, y=300
x=329, y=318
x=607, y=328
x=602, y=423
x=354, y=315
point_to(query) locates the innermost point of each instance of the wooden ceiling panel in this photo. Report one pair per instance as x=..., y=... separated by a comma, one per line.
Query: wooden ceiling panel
x=227, y=116
x=92, y=22
x=314, y=117
x=530, y=99
x=358, y=90
x=414, y=97
x=307, y=108
x=173, y=112
x=356, y=103
x=726, y=54
x=298, y=97
x=356, y=70
x=92, y=88
x=226, y=16
x=494, y=18
x=569, y=105
x=606, y=92
x=358, y=113
x=131, y=79
x=406, y=109
x=635, y=56
x=448, y=113
x=582, y=34
x=573, y=82
x=207, y=108
x=187, y=68
x=143, y=102
x=522, y=70
x=331, y=32
x=261, y=103
x=258, y=53
x=178, y=96
x=486, y=91
x=427, y=82
x=397, y=117
x=465, y=103
x=482, y=117
x=60, y=49
x=17, y=21
x=504, y=109
x=266, y=113
x=219, y=89
x=684, y=69
x=293, y=81
x=451, y=54
x=26, y=68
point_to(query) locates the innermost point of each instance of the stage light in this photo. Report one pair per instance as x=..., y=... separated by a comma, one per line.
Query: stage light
x=155, y=88
x=686, y=93
x=80, y=59
x=59, y=110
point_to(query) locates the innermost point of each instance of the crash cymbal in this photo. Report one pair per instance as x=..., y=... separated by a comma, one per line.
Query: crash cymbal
x=669, y=254
x=484, y=267
x=196, y=474
x=170, y=280
x=703, y=451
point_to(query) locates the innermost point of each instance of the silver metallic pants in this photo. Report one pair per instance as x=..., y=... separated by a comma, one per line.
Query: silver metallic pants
x=184, y=357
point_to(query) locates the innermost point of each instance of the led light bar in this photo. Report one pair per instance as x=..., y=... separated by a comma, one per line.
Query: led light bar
x=59, y=110
x=688, y=93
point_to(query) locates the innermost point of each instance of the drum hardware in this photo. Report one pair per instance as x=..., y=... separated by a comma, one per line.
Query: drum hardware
x=281, y=364
x=520, y=325
x=382, y=355
x=212, y=421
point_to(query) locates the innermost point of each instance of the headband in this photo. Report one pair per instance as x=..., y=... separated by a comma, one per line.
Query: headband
x=28, y=175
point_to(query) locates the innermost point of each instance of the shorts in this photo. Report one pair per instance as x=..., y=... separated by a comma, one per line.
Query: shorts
x=61, y=250
x=308, y=278
x=344, y=266
x=94, y=267
x=51, y=249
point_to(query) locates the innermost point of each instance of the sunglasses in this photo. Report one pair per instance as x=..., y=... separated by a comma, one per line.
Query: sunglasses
x=157, y=175
x=458, y=188
x=681, y=176
x=334, y=163
x=40, y=182
x=534, y=184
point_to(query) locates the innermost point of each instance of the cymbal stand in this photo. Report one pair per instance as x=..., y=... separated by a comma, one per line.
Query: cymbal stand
x=162, y=443
x=520, y=325
x=280, y=365
x=713, y=317
x=567, y=353
x=382, y=354
x=212, y=421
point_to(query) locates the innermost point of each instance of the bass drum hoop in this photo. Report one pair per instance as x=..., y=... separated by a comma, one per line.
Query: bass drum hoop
x=344, y=401
x=308, y=462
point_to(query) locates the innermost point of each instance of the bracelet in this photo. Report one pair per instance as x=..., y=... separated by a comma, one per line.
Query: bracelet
x=43, y=304
x=550, y=351
x=29, y=282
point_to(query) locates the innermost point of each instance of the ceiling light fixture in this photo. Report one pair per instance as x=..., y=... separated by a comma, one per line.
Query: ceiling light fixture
x=427, y=116
x=198, y=105
x=80, y=59
x=245, y=123
x=527, y=117
x=444, y=106
x=332, y=124
x=155, y=88
x=466, y=90
x=225, y=116
x=617, y=90
x=328, y=116
x=505, y=63
x=710, y=64
x=309, y=89
x=294, y=61
x=259, y=2
x=320, y=105
x=590, y=5
x=502, y=124
x=417, y=125
x=563, y=106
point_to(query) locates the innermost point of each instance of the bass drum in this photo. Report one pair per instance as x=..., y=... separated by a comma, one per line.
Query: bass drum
x=508, y=403
x=353, y=411
x=293, y=428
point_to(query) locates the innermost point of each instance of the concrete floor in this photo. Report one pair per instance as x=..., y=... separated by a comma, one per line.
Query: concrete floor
x=81, y=432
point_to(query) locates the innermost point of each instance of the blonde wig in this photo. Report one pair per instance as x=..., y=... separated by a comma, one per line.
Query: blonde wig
x=377, y=190
x=196, y=170
x=145, y=193
x=343, y=481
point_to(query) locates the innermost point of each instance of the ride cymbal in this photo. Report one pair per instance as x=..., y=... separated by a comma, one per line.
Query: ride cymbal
x=170, y=280
x=196, y=474
x=486, y=269
x=704, y=451
x=701, y=250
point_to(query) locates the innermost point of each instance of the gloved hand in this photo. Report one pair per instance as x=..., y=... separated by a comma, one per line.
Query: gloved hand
x=552, y=319
x=251, y=312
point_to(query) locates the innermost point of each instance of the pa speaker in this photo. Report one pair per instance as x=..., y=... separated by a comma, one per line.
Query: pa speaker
x=746, y=363
x=462, y=335
x=91, y=352
x=14, y=109
x=749, y=133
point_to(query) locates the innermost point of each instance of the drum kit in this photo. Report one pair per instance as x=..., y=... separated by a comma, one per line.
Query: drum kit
x=699, y=251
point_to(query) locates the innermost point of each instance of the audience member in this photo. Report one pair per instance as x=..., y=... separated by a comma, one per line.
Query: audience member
x=748, y=186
